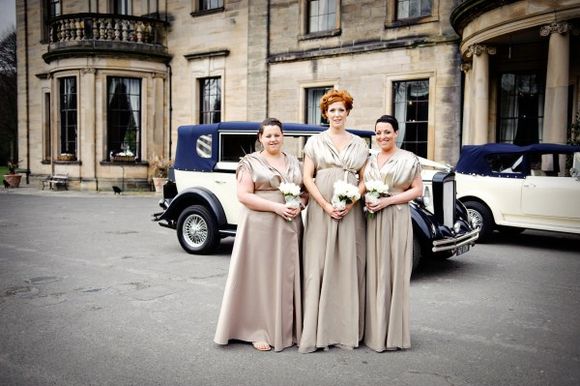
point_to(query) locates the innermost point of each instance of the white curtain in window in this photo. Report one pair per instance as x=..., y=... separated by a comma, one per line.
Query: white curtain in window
x=509, y=108
x=401, y=110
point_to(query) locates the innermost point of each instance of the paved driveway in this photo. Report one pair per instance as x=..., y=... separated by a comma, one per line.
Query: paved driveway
x=93, y=292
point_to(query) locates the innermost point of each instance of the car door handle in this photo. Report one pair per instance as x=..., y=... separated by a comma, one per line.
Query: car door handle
x=219, y=182
x=529, y=185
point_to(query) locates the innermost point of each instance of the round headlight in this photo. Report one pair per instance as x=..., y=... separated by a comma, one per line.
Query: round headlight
x=427, y=197
x=457, y=227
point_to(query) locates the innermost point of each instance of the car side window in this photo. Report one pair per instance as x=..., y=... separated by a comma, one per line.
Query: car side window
x=233, y=147
x=505, y=163
x=536, y=168
x=203, y=146
x=546, y=165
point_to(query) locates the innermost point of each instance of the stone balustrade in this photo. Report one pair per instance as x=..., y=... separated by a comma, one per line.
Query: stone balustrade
x=106, y=32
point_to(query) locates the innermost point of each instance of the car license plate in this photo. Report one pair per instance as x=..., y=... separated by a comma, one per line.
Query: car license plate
x=462, y=249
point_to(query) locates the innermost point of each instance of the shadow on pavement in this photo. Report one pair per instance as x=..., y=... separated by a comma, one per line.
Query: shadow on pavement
x=538, y=239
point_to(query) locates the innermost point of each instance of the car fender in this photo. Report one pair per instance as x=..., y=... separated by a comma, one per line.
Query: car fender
x=194, y=196
x=422, y=226
x=467, y=191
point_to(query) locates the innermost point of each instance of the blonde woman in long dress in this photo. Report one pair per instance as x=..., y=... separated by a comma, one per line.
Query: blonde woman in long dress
x=262, y=298
x=334, y=239
x=390, y=241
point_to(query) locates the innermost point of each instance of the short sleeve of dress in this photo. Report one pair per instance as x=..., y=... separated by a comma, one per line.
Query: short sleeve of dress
x=244, y=167
x=416, y=168
x=309, y=149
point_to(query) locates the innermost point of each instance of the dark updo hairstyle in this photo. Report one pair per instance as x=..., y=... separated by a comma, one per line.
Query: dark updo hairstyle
x=269, y=122
x=388, y=119
x=333, y=96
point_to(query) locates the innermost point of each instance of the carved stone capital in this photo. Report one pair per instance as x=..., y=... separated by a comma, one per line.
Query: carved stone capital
x=560, y=28
x=478, y=49
x=89, y=70
x=465, y=67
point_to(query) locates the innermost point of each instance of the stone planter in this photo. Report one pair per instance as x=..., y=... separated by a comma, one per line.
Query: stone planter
x=66, y=157
x=13, y=179
x=158, y=182
x=123, y=158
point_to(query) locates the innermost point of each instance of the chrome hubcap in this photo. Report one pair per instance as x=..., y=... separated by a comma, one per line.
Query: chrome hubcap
x=475, y=218
x=195, y=231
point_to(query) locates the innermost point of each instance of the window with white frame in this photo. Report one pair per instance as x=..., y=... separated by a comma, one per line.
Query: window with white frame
x=410, y=9
x=312, y=108
x=411, y=108
x=123, y=118
x=321, y=15
x=68, y=115
x=210, y=100
x=205, y=5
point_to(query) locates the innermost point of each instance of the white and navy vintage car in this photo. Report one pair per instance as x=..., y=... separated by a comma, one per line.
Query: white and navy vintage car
x=511, y=188
x=199, y=200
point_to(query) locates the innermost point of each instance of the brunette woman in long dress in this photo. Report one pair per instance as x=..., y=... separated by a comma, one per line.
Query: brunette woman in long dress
x=334, y=239
x=390, y=241
x=262, y=299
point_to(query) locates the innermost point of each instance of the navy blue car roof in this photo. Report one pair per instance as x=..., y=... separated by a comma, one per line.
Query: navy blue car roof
x=187, y=158
x=472, y=159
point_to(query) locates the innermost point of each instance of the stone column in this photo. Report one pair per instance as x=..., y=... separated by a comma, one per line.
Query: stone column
x=557, y=79
x=467, y=133
x=87, y=129
x=480, y=85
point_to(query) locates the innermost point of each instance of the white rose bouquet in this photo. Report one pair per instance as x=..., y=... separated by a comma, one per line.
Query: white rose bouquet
x=291, y=193
x=375, y=190
x=344, y=193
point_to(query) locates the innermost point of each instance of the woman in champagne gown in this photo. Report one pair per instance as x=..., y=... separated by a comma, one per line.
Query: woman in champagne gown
x=262, y=299
x=390, y=241
x=334, y=239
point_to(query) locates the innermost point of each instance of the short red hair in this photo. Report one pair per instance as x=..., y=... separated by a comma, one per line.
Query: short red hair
x=333, y=96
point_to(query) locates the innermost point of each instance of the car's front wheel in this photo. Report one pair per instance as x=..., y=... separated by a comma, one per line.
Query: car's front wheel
x=197, y=231
x=481, y=218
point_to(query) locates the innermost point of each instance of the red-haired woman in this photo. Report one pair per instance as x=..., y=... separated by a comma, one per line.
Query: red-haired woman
x=334, y=238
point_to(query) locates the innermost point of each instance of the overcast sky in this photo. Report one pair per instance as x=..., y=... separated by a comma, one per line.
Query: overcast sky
x=7, y=15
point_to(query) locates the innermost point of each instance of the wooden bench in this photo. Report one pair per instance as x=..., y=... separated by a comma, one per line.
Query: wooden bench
x=55, y=181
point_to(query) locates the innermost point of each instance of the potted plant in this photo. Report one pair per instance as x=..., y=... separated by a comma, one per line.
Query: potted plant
x=160, y=168
x=12, y=178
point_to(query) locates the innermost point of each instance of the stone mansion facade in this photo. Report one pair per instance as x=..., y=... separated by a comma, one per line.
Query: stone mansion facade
x=104, y=84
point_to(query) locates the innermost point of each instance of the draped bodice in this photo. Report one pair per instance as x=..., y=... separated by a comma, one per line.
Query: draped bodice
x=398, y=172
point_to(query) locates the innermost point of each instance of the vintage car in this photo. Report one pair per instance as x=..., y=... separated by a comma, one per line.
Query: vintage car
x=511, y=188
x=199, y=200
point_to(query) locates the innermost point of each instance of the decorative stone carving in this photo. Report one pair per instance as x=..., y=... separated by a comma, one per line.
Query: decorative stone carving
x=465, y=67
x=560, y=28
x=89, y=70
x=478, y=49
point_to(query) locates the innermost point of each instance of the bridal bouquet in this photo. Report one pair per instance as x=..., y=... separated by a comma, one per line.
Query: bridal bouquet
x=344, y=193
x=375, y=190
x=291, y=193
